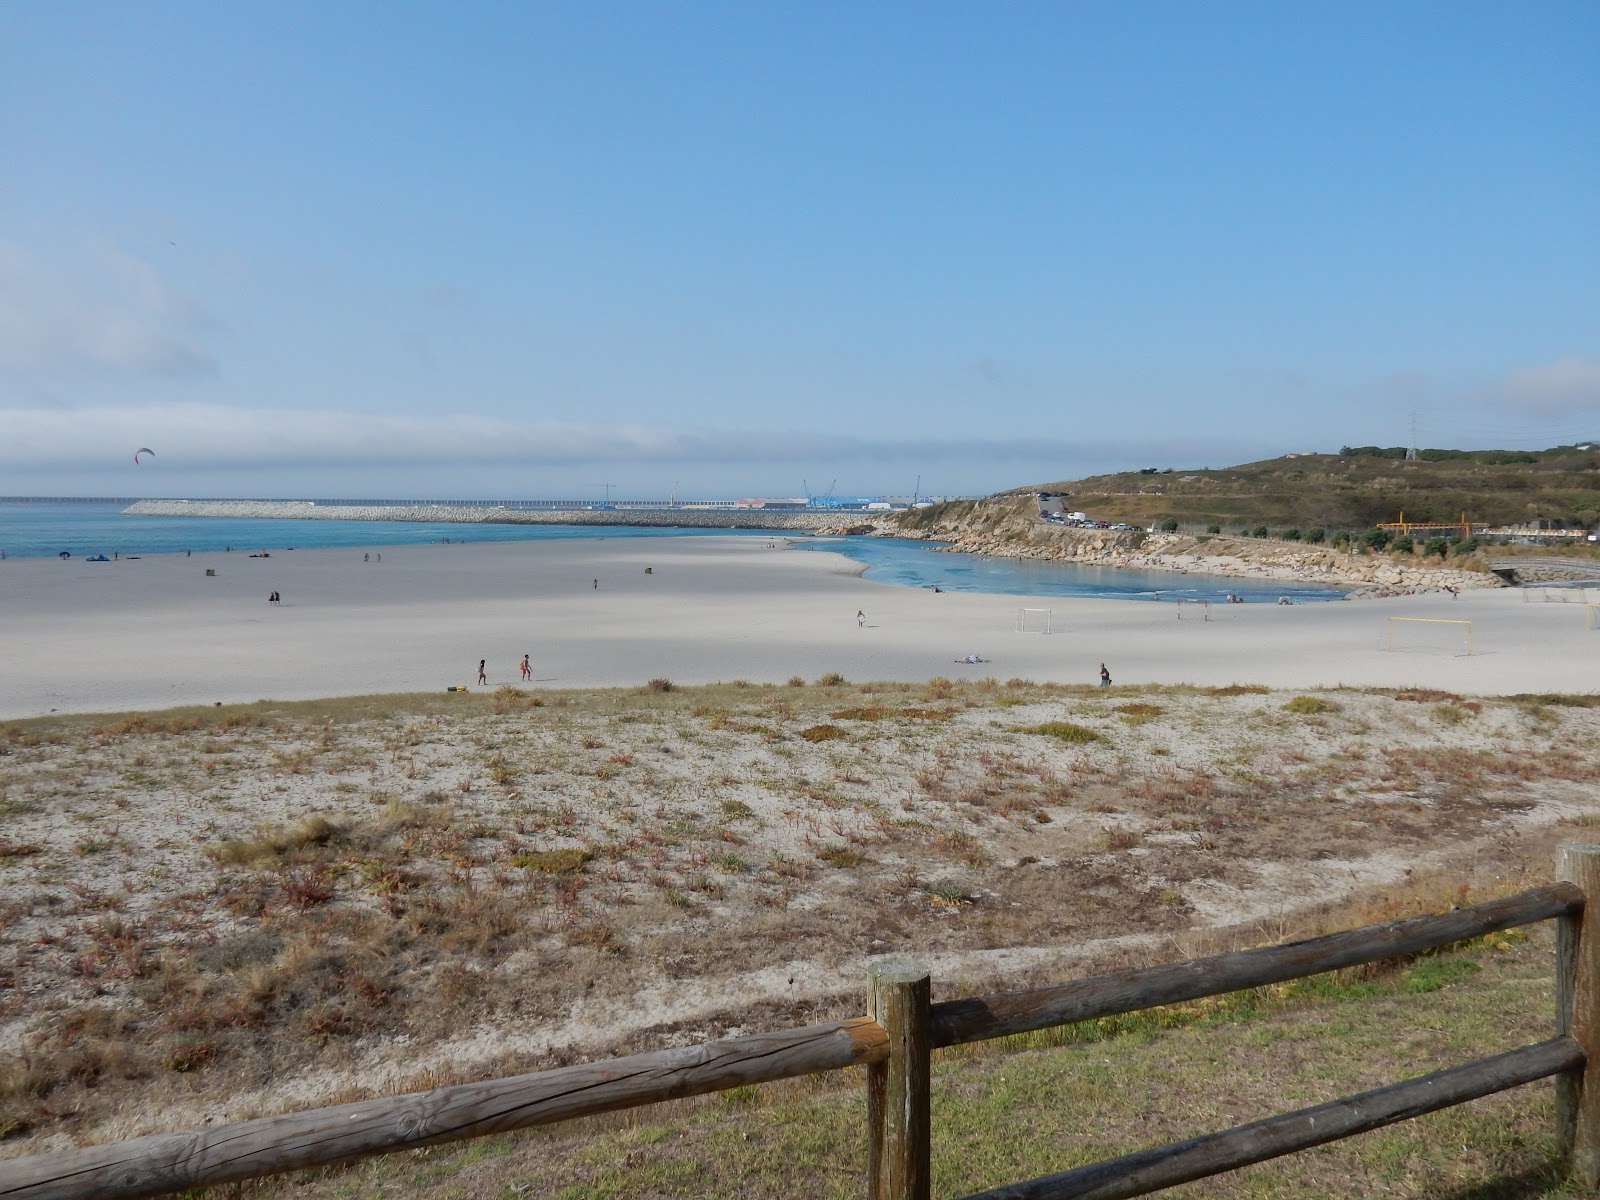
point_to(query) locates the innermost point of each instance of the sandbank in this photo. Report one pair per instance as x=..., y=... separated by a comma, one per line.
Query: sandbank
x=158, y=631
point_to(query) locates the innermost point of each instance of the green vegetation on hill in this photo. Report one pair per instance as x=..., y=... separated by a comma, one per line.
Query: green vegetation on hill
x=1355, y=489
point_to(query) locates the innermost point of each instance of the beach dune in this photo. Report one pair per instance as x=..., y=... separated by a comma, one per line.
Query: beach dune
x=158, y=631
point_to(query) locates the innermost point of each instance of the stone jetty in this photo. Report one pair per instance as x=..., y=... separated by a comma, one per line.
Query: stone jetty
x=305, y=510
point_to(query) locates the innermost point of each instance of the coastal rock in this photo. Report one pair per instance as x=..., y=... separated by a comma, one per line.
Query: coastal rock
x=1007, y=528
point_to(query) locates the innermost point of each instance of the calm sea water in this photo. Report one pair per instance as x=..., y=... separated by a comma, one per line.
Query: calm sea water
x=924, y=564
x=37, y=530
x=43, y=531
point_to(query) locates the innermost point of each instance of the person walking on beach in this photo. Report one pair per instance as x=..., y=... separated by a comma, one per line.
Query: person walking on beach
x=861, y=619
x=482, y=678
x=1105, y=676
x=527, y=671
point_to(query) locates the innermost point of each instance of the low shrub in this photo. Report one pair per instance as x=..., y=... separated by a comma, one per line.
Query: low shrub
x=842, y=856
x=277, y=843
x=1066, y=731
x=822, y=733
x=831, y=679
x=1310, y=705
x=1138, y=713
x=552, y=862
x=1424, y=695
x=1453, y=714
x=660, y=685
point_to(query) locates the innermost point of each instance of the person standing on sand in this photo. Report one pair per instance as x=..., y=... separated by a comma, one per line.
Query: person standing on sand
x=1105, y=676
x=861, y=619
x=527, y=671
x=482, y=678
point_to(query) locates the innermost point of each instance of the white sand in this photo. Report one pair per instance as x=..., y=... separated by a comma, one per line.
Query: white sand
x=156, y=631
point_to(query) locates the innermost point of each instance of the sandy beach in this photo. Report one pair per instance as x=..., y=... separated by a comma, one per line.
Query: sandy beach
x=159, y=631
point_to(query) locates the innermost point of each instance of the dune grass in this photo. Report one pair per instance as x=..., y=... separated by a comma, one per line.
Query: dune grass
x=1030, y=1105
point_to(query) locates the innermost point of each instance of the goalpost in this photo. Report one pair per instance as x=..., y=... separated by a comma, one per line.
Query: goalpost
x=1196, y=610
x=1428, y=633
x=1033, y=620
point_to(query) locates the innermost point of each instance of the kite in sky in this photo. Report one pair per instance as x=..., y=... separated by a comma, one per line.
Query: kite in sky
x=139, y=451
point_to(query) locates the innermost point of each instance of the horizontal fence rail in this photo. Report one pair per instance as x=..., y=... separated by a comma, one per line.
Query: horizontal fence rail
x=1198, y=1158
x=981, y=1017
x=896, y=1053
x=152, y=1166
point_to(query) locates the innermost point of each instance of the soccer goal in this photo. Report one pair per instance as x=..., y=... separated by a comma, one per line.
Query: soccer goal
x=1554, y=595
x=1428, y=635
x=1194, y=610
x=1033, y=620
x=1591, y=616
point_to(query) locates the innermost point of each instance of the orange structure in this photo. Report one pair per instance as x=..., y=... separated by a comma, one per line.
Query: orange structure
x=1408, y=528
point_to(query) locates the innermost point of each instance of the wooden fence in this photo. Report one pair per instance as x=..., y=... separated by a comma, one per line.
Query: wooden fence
x=895, y=1041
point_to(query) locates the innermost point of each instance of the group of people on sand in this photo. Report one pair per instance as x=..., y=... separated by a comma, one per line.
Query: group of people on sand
x=970, y=659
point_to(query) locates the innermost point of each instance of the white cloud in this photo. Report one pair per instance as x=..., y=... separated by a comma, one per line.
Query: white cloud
x=100, y=310
x=1565, y=388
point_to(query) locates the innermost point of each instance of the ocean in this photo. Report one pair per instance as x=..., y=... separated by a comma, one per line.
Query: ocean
x=80, y=530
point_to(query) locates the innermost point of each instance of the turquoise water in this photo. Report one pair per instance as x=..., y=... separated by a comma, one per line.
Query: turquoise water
x=923, y=564
x=43, y=531
x=38, y=531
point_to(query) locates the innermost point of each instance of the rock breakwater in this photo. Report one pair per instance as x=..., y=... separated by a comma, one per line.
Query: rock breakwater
x=474, y=515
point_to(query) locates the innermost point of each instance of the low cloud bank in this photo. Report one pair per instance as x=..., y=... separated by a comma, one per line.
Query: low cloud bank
x=199, y=436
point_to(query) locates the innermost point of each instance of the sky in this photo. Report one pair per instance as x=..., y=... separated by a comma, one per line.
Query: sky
x=600, y=249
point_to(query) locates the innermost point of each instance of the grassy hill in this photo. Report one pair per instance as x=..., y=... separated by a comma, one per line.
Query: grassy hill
x=1355, y=489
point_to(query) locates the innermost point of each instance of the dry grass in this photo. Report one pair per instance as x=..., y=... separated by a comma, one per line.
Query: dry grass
x=388, y=891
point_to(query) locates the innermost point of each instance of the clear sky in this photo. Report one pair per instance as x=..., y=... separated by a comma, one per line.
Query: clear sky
x=531, y=249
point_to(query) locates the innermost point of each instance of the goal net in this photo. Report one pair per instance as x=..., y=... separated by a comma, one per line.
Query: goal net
x=1577, y=595
x=1591, y=616
x=1033, y=620
x=1194, y=610
x=1428, y=635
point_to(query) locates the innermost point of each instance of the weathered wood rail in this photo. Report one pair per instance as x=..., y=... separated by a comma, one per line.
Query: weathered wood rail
x=895, y=1042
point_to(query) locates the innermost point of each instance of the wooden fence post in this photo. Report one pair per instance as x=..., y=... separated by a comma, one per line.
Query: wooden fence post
x=898, y=1107
x=1578, y=1016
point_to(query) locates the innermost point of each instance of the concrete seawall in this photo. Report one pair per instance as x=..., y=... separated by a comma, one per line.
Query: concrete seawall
x=462, y=515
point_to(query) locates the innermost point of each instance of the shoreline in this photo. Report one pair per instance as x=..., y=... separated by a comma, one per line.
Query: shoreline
x=1291, y=562
x=159, y=632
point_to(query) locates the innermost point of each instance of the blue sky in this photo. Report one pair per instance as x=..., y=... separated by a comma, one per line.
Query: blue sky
x=363, y=249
